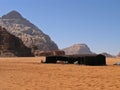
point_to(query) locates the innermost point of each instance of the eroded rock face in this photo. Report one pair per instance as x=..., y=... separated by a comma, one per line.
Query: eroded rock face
x=10, y=45
x=49, y=53
x=77, y=49
x=30, y=34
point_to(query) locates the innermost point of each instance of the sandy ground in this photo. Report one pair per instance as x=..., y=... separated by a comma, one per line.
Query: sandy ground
x=30, y=74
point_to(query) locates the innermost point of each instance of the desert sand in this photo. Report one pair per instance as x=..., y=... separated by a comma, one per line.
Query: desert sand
x=30, y=74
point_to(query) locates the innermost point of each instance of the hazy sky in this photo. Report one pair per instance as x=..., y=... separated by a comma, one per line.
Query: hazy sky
x=93, y=22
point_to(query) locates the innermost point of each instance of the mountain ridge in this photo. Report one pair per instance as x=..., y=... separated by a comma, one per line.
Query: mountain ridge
x=12, y=15
x=30, y=34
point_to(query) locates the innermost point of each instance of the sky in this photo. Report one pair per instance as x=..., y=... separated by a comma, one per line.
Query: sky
x=92, y=22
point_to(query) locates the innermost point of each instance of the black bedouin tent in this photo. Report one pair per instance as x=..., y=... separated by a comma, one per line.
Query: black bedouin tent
x=86, y=59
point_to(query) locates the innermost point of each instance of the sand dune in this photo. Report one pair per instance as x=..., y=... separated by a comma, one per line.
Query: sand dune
x=30, y=74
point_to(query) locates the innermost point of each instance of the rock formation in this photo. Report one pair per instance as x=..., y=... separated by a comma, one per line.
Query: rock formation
x=48, y=53
x=30, y=34
x=12, y=46
x=77, y=49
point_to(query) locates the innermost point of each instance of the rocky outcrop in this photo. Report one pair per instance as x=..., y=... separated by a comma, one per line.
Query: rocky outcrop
x=12, y=46
x=48, y=53
x=30, y=34
x=77, y=49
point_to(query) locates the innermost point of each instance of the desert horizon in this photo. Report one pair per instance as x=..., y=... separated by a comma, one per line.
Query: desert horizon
x=28, y=73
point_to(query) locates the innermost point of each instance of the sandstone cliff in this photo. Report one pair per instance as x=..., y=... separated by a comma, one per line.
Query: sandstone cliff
x=77, y=49
x=30, y=34
x=12, y=46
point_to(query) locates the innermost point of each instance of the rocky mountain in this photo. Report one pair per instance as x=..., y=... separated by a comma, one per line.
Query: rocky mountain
x=12, y=46
x=77, y=49
x=30, y=34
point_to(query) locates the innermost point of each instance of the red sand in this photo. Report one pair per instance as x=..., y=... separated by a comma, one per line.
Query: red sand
x=30, y=74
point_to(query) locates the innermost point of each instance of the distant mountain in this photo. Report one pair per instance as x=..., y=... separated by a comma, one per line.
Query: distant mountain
x=77, y=49
x=107, y=54
x=30, y=34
